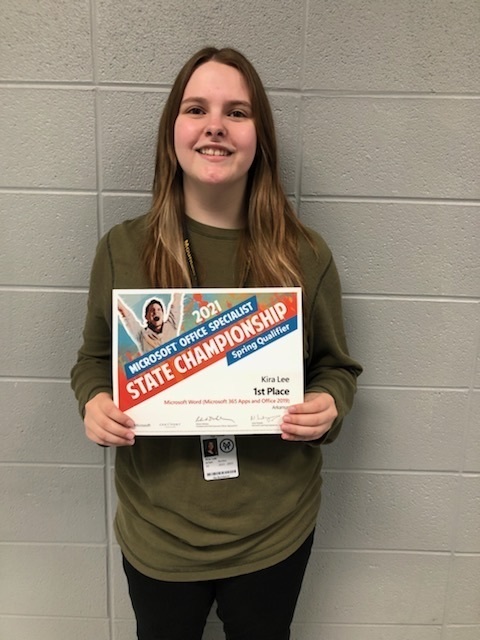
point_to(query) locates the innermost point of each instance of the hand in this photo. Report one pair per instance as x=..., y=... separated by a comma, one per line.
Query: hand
x=311, y=419
x=105, y=424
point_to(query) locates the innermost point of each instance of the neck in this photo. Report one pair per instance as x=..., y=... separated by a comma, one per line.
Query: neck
x=155, y=329
x=218, y=206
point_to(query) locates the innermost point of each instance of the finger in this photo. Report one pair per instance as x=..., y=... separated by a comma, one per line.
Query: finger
x=303, y=434
x=296, y=432
x=107, y=430
x=110, y=438
x=112, y=442
x=102, y=409
x=308, y=419
x=118, y=416
x=315, y=405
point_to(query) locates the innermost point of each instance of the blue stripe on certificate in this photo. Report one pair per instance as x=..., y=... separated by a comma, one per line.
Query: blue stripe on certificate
x=262, y=340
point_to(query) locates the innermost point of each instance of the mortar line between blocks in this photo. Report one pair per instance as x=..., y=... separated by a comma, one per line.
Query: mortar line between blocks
x=454, y=534
x=99, y=176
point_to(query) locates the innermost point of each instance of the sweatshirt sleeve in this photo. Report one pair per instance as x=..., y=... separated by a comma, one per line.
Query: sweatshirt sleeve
x=329, y=366
x=92, y=372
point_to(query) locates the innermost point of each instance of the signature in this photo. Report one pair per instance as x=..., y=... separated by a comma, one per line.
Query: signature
x=210, y=419
x=259, y=418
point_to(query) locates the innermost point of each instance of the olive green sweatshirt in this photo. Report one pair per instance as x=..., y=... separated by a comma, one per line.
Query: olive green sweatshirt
x=171, y=524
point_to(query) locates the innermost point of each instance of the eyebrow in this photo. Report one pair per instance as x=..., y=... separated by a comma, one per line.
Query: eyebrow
x=230, y=103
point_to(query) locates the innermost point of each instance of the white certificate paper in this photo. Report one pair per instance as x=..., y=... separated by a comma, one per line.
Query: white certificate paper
x=207, y=361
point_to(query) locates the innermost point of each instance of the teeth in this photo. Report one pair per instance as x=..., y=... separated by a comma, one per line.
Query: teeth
x=214, y=152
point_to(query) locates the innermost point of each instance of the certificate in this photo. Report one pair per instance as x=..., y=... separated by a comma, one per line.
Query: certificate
x=207, y=361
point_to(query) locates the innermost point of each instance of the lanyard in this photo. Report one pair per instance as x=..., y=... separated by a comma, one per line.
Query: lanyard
x=193, y=271
x=191, y=264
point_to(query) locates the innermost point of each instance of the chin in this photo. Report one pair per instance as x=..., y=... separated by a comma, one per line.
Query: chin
x=220, y=180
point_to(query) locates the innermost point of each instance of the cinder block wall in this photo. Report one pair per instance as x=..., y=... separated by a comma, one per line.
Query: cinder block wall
x=378, y=110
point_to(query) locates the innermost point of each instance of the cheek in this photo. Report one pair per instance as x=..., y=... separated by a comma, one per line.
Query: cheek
x=249, y=143
x=177, y=136
x=183, y=133
x=178, y=140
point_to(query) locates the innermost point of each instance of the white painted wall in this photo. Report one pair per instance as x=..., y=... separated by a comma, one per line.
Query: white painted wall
x=378, y=111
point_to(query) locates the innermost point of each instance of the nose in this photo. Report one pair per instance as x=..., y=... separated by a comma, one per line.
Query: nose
x=215, y=127
x=215, y=131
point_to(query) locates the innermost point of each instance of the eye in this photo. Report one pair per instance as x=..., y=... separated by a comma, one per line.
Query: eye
x=195, y=111
x=236, y=113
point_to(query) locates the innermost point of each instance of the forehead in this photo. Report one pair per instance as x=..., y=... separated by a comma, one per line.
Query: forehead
x=154, y=306
x=217, y=80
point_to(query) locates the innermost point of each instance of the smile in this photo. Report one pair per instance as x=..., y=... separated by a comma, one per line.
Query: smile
x=208, y=151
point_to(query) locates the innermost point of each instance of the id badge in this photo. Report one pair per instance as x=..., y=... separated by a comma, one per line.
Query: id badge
x=219, y=457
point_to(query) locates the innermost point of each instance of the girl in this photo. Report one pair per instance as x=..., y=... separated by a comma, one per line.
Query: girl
x=219, y=218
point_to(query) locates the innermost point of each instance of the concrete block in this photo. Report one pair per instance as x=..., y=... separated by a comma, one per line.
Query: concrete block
x=55, y=233
x=412, y=342
x=48, y=347
x=400, y=248
x=462, y=632
x=50, y=137
x=376, y=511
x=393, y=46
x=463, y=602
x=472, y=448
x=43, y=425
x=48, y=40
x=129, y=138
x=468, y=518
x=122, y=607
x=124, y=629
x=476, y=377
x=118, y=208
x=213, y=631
x=212, y=618
x=402, y=429
x=113, y=492
x=307, y=631
x=286, y=110
x=53, y=580
x=373, y=588
x=52, y=504
x=39, y=628
x=156, y=40
x=400, y=147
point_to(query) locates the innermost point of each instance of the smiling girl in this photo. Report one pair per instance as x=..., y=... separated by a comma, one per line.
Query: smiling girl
x=219, y=218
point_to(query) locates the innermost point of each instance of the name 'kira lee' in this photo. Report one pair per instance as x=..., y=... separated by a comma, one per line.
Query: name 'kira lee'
x=274, y=379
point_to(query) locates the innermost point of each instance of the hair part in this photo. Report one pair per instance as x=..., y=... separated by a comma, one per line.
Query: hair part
x=268, y=249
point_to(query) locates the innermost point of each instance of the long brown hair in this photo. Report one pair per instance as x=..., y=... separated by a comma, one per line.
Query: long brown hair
x=268, y=248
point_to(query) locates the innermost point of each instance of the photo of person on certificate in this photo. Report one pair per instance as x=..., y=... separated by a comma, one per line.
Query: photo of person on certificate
x=161, y=325
x=232, y=521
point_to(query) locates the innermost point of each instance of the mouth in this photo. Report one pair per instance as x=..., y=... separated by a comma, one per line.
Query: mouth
x=214, y=151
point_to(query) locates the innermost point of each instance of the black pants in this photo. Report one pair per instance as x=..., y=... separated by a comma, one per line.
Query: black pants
x=256, y=606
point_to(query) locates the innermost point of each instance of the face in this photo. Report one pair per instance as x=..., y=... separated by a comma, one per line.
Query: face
x=214, y=136
x=154, y=316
